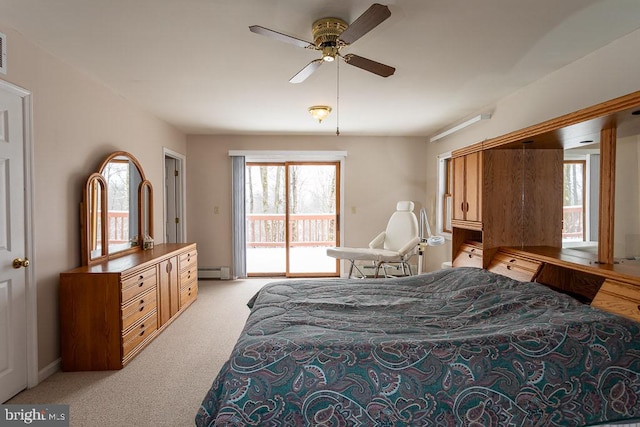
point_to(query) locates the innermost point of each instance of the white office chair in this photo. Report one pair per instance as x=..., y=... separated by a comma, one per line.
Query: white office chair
x=395, y=245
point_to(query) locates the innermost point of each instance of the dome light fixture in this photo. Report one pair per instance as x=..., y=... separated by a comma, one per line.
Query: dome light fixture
x=319, y=112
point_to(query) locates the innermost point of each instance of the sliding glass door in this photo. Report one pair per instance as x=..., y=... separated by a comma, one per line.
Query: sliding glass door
x=265, y=206
x=292, y=217
x=312, y=217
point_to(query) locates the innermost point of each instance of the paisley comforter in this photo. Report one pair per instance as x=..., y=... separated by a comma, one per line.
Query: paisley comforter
x=454, y=347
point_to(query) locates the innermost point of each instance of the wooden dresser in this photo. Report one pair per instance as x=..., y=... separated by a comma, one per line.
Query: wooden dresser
x=110, y=311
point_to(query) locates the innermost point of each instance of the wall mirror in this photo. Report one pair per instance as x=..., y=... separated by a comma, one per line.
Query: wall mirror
x=117, y=209
x=588, y=196
x=582, y=188
x=626, y=242
x=600, y=177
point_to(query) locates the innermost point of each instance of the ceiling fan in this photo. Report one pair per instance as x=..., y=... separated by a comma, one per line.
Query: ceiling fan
x=330, y=35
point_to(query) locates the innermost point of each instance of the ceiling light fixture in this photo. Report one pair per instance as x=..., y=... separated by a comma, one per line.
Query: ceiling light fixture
x=329, y=53
x=460, y=126
x=319, y=112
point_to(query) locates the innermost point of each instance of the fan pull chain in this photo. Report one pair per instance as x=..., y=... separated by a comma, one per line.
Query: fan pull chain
x=338, y=98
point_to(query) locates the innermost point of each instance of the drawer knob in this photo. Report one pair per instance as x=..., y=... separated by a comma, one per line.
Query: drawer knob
x=141, y=277
x=142, y=308
x=638, y=307
x=140, y=284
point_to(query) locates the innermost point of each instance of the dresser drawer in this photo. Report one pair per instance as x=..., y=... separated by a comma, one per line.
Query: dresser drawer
x=619, y=298
x=138, y=283
x=189, y=258
x=515, y=267
x=142, y=330
x=138, y=308
x=469, y=255
x=188, y=274
x=188, y=293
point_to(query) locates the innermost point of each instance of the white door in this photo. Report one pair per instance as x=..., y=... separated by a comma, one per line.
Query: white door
x=13, y=301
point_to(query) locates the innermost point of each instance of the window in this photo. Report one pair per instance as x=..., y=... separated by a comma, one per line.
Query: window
x=445, y=193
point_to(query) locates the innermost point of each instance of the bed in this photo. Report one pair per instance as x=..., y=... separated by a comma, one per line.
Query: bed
x=461, y=346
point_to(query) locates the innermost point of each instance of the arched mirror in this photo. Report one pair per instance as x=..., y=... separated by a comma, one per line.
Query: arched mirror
x=95, y=215
x=117, y=209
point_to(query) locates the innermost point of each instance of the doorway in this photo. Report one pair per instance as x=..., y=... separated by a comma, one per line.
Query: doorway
x=174, y=224
x=292, y=217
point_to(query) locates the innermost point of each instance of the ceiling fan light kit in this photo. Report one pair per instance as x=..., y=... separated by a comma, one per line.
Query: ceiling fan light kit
x=319, y=112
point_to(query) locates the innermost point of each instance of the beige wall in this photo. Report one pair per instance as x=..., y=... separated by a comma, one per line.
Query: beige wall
x=604, y=74
x=379, y=171
x=76, y=123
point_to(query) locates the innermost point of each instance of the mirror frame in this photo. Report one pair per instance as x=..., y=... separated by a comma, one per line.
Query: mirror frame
x=145, y=212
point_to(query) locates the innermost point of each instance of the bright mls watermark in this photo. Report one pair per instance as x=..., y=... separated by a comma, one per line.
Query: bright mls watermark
x=36, y=415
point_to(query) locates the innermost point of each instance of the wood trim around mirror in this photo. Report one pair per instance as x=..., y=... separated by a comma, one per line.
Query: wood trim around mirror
x=116, y=154
x=145, y=218
x=607, y=195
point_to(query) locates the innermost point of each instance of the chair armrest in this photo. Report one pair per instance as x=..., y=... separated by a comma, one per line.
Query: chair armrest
x=378, y=241
x=409, y=246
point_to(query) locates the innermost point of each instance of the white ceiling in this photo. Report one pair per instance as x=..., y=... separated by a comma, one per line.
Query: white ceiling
x=196, y=65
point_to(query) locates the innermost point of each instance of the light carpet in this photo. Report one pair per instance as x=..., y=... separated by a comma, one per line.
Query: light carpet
x=164, y=384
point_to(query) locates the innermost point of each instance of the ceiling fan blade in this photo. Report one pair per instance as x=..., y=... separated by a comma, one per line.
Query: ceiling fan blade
x=366, y=22
x=279, y=36
x=369, y=65
x=306, y=71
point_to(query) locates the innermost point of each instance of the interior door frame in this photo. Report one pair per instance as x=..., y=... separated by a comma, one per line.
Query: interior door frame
x=33, y=375
x=181, y=210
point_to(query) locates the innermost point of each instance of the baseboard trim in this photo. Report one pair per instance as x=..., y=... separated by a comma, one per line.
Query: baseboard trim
x=49, y=370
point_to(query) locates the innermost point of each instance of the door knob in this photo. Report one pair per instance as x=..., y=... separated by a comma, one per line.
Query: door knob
x=19, y=262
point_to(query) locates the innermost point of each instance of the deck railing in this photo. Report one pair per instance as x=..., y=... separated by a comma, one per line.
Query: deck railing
x=572, y=222
x=268, y=230
x=118, y=226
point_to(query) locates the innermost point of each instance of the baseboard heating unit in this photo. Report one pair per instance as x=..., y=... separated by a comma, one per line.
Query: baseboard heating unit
x=220, y=273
